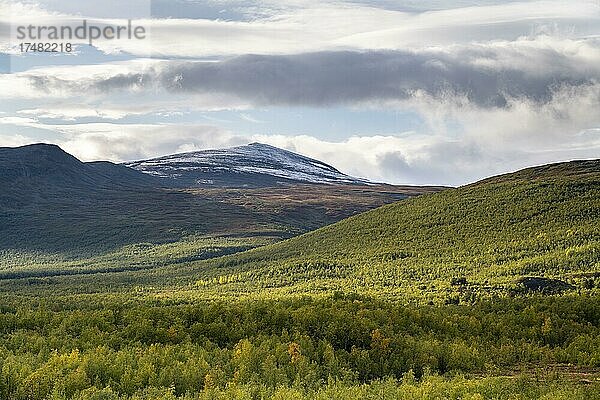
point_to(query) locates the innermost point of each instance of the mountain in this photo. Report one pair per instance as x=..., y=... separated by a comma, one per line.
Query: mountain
x=49, y=164
x=51, y=202
x=30, y=172
x=253, y=165
x=487, y=238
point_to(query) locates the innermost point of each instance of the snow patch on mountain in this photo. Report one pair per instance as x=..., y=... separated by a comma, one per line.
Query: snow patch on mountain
x=256, y=163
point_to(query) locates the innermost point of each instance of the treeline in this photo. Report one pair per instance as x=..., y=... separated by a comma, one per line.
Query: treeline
x=67, y=349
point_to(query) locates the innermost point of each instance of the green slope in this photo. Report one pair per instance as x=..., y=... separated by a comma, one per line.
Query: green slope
x=458, y=245
x=543, y=221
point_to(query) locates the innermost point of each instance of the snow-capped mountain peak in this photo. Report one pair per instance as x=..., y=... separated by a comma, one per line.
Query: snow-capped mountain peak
x=252, y=165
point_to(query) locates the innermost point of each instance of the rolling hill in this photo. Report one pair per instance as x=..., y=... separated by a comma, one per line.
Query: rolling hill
x=481, y=238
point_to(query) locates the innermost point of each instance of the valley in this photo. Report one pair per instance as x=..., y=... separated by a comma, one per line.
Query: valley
x=60, y=216
x=122, y=284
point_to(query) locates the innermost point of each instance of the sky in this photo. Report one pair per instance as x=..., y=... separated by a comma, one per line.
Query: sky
x=407, y=92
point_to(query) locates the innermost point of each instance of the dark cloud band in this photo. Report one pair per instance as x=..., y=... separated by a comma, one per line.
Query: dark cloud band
x=485, y=76
x=330, y=78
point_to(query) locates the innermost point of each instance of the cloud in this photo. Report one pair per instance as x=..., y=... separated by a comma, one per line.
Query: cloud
x=481, y=75
x=112, y=108
x=434, y=159
x=121, y=142
x=124, y=142
x=403, y=159
x=270, y=27
x=14, y=140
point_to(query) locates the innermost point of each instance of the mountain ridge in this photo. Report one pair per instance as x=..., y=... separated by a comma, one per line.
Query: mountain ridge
x=49, y=161
x=31, y=173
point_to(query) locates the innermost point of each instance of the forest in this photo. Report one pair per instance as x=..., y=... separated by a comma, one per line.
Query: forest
x=344, y=346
